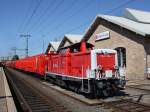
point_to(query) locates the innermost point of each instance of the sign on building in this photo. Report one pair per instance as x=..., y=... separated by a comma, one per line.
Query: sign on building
x=102, y=35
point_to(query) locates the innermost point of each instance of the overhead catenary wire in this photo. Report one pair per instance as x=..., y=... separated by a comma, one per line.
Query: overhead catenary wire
x=120, y=6
x=50, y=14
x=48, y=8
x=33, y=13
x=73, y=3
x=87, y=22
x=26, y=14
x=86, y=5
x=75, y=28
x=109, y=12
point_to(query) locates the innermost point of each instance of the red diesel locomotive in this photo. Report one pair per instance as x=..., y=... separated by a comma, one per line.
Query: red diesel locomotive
x=77, y=67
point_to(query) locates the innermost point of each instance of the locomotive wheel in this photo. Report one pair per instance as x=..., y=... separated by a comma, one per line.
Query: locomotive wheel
x=105, y=93
x=51, y=80
x=61, y=83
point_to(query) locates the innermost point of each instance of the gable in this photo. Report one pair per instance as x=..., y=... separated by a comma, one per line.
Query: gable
x=67, y=43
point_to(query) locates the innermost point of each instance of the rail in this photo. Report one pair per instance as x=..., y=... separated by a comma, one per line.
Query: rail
x=129, y=106
x=30, y=99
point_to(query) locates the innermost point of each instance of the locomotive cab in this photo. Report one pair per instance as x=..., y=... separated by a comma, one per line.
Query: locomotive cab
x=103, y=64
x=105, y=72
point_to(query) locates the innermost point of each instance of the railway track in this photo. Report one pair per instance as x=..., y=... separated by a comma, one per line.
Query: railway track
x=129, y=106
x=33, y=100
x=30, y=99
x=139, y=87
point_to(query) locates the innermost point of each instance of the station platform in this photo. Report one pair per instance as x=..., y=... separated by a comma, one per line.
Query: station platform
x=6, y=100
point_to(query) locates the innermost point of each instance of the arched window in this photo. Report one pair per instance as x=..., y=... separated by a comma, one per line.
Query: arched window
x=121, y=54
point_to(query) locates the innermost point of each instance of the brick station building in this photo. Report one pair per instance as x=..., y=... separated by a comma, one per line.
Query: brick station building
x=129, y=35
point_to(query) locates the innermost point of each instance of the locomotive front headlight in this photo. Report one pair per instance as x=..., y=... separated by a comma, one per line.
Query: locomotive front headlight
x=99, y=67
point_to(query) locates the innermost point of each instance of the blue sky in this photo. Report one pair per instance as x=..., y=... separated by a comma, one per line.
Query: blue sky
x=50, y=19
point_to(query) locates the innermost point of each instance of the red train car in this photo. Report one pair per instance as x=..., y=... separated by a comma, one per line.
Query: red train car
x=34, y=64
x=9, y=64
x=78, y=67
x=83, y=69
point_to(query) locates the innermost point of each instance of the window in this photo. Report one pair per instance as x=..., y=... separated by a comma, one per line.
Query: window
x=121, y=55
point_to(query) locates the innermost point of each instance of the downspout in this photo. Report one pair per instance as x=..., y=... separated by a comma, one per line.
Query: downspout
x=146, y=58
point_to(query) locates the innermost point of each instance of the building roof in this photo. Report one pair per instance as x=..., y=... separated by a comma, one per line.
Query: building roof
x=71, y=39
x=133, y=20
x=54, y=45
x=139, y=28
x=74, y=38
x=137, y=15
